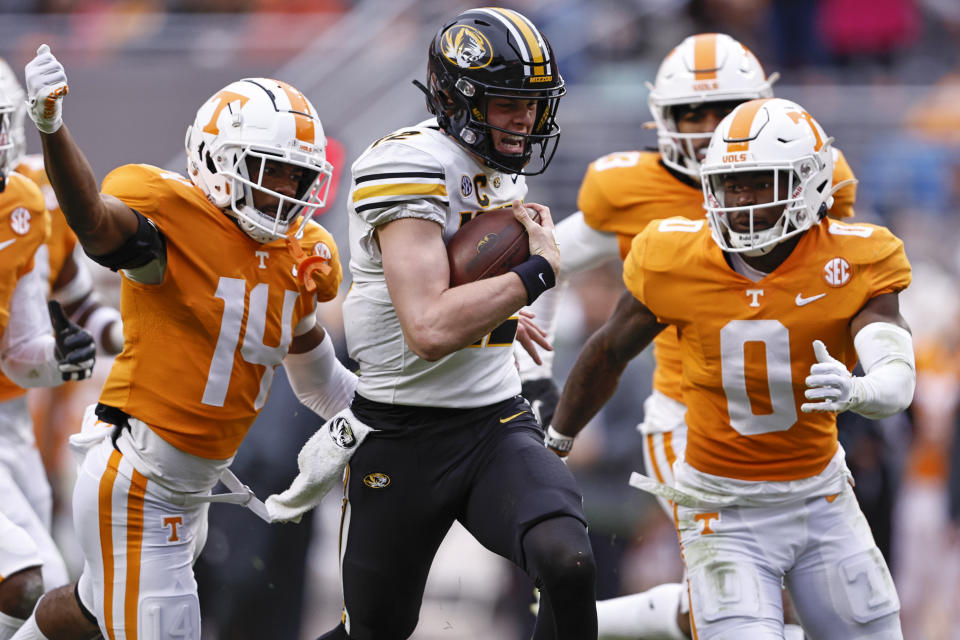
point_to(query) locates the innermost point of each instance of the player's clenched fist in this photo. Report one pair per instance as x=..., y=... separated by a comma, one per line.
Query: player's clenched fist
x=46, y=86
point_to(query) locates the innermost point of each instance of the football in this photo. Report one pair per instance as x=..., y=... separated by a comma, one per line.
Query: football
x=489, y=245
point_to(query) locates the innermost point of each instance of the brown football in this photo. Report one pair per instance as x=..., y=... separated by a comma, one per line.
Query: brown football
x=489, y=245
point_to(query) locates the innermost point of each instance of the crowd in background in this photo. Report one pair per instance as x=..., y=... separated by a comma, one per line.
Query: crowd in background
x=882, y=76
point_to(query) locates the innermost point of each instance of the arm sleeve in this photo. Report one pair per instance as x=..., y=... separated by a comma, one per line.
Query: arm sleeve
x=319, y=381
x=27, y=348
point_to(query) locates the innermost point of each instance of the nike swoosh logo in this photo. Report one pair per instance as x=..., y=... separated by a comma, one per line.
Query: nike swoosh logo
x=542, y=280
x=832, y=498
x=7, y=243
x=508, y=419
x=801, y=301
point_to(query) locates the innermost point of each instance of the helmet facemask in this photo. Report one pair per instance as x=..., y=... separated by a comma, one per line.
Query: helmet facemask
x=756, y=238
x=249, y=170
x=464, y=115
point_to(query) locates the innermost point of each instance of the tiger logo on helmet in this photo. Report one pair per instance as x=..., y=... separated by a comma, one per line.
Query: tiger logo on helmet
x=467, y=47
x=242, y=128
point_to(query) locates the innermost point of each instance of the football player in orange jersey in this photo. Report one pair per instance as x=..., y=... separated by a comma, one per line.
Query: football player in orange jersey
x=698, y=83
x=32, y=354
x=761, y=294
x=222, y=272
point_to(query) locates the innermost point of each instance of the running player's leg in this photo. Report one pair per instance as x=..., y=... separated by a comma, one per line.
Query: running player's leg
x=735, y=560
x=525, y=506
x=139, y=543
x=393, y=523
x=841, y=586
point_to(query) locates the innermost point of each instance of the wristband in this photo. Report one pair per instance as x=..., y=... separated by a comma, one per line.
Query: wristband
x=537, y=276
x=557, y=442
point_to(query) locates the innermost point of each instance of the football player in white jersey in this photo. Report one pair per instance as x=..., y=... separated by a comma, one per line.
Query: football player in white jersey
x=32, y=354
x=699, y=82
x=453, y=439
x=222, y=273
x=761, y=296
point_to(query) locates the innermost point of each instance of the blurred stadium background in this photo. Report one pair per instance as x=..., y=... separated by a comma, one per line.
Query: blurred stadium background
x=882, y=76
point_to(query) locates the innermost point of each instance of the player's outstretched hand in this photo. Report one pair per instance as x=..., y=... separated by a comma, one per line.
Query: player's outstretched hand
x=46, y=87
x=75, y=351
x=543, y=239
x=830, y=383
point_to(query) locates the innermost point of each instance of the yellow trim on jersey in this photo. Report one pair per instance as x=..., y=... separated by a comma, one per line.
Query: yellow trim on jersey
x=400, y=189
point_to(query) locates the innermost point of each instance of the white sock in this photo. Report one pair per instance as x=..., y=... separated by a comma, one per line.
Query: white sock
x=793, y=632
x=8, y=626
x=29, y=631
x=651, y=615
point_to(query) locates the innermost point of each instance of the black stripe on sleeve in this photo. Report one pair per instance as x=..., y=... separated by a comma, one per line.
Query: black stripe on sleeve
x=404, y=174
x=392, y=203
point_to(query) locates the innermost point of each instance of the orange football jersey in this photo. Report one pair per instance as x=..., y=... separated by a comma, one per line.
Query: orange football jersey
x=24, y=226
x=62, y=240
x=622, y=192
x=746, y=347
x=200, y=348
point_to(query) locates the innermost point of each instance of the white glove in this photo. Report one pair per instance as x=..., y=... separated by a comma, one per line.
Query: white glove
x=322, y=461
x=46, y=86
x=831, y=382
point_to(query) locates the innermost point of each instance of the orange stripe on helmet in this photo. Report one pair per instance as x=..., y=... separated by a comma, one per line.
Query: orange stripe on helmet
x=738, y=138
x=705, y=56
x=303, y=115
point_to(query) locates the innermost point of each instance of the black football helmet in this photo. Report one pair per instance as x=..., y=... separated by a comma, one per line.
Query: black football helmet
x=494, y=53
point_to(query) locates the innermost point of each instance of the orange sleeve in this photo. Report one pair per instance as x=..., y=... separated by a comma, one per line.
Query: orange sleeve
x=891, y=272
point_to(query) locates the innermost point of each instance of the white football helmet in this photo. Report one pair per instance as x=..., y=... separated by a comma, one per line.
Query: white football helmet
x=264, y=120
x=707, y=67
x=11, y=88
x=777, y=136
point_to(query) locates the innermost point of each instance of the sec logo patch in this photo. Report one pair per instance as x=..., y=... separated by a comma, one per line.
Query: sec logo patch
x=836, y=272
x=20, y=221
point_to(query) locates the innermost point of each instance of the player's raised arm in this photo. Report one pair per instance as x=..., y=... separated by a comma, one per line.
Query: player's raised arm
x=103, y=224
x=596, y=374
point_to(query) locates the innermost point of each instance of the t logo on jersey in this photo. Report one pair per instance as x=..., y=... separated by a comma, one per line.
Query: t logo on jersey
x=173, y=522
x=836, y=272
x=754, y=296
x=705, y=519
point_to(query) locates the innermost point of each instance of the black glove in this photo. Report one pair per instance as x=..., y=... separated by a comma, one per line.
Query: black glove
x=75, y=350
x=543, y=396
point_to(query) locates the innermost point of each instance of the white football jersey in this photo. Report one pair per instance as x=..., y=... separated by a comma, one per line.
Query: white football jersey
x=421, y=172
